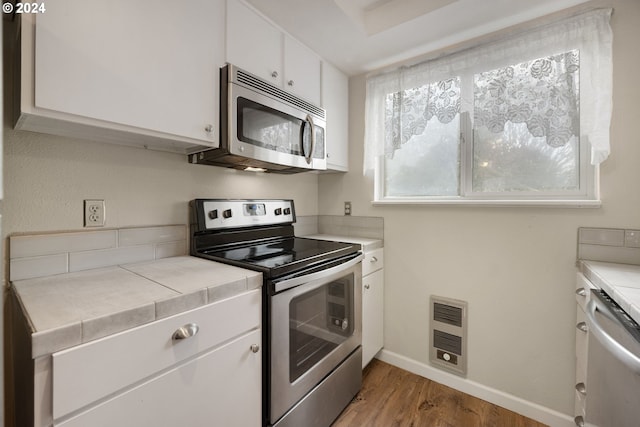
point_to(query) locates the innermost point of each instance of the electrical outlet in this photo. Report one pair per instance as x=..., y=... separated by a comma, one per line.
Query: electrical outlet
x=347, y=208
x=94, y=215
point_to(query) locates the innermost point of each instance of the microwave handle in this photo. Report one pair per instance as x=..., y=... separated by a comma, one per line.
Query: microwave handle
x=308, y=156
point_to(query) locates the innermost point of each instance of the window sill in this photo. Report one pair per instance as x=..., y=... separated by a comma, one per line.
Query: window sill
x=492, y=203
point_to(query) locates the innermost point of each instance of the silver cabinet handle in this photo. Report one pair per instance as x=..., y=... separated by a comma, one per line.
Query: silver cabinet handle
x=373, y=259
x=581, y=388
x=367, y=286
x=187, y=331
x=579, y=420
x=255, y=348
x=208, y=129
x=274, y=74
x=581, y=291
x=290, y=82
x=582, y=326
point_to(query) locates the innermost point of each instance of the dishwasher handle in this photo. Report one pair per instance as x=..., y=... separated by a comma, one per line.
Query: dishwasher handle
x=620, y=352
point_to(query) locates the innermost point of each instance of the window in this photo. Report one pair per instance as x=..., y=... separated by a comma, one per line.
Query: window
x=522, y=121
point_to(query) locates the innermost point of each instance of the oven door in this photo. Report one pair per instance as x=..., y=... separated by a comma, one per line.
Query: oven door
x=269, y=130
x=314, y=327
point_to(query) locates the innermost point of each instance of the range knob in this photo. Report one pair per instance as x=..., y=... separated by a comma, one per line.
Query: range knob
x=278, y=211
x=287, y=211
x=213, y=214
x=227, y=213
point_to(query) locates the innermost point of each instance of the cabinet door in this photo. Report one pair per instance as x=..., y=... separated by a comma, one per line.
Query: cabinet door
x=253, y=44
x=302, y=71
x=94, y=370
x=147, y=64
x=219, y=388
x=372, y=315
x=582, y=345
x=335, y=99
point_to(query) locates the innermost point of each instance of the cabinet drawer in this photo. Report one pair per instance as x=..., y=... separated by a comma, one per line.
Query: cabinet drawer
x=86, y=373
x=218, y=388
x=372, y=261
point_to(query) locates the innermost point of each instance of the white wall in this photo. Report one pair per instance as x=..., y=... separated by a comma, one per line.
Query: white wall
x=515, y=266
x=47, y=178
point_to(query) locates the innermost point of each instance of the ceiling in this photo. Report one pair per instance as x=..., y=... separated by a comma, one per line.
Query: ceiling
x=363, y=35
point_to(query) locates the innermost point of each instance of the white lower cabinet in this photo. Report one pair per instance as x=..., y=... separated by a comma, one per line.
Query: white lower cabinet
x=372, y=305
x=199, y=368
x=583, y=288
x=221, y=387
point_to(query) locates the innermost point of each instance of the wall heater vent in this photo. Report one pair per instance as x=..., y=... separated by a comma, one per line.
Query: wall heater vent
x=448, y=334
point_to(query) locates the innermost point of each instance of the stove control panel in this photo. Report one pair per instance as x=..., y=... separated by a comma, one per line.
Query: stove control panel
x=212, y=214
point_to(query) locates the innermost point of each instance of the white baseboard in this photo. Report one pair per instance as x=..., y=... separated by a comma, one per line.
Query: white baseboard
x=528, y=409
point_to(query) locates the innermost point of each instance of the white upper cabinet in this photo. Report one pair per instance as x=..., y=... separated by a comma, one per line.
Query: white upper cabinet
x=144, y=72
x=257, y=46
x=335, y=99
x=253, y=44
x=302, y=70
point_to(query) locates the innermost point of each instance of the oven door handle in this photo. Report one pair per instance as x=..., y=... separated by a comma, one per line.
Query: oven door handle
x=296, y=281
x=620, y=352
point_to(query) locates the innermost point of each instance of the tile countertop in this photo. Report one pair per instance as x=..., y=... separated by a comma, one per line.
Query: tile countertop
x=65, y=310
x=367, y=244
x=620, y=281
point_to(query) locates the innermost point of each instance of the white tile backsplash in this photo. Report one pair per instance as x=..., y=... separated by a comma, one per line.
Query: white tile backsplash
x=601, y=236
x=48, y=244
x=171, y=249
x=42, y=255
x=632, y=238
x=617, y=254
x=355, y=226
x=609, y=245
x=143, y=236
x=306, y=225
x=32, y=267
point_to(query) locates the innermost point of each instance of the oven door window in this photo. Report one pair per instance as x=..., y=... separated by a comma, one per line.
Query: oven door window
x=319, y=321
x=274, y=130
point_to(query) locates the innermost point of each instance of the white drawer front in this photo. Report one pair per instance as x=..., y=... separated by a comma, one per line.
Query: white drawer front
x=219, y=388
x=372, y=261
x=86, y=373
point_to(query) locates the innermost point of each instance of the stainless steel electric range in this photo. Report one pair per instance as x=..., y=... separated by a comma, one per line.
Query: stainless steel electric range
x=312, y=302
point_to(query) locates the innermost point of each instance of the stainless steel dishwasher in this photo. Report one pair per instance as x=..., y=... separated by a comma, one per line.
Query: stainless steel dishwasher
x=613, y=369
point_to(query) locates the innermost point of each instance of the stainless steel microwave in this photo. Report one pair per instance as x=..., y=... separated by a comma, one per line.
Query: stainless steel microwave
x=264, y=127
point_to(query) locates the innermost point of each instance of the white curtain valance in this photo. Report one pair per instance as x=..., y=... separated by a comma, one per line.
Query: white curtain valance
x=572, y=56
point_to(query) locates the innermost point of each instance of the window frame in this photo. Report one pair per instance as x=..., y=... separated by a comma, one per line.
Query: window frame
x=587, y=196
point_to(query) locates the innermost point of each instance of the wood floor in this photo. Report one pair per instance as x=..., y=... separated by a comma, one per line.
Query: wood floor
x=392, y=397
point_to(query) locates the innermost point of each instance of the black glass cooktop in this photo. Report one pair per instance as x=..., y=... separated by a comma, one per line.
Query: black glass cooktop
x=279, y=257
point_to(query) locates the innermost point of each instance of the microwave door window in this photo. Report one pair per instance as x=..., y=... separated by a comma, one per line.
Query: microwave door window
x=268, y=128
